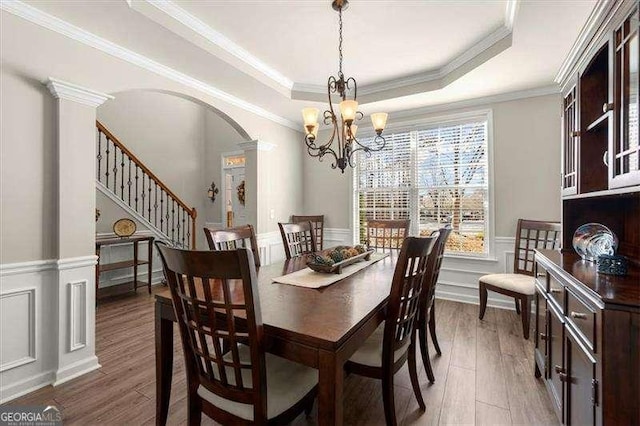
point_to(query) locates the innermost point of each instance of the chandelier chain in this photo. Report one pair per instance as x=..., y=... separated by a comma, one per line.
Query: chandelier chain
x=340, y=43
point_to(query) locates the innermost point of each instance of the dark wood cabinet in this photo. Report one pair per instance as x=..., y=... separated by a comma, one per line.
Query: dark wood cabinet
x=581, y=382
x=588, y=351
x=587, y=342
x=555, y=333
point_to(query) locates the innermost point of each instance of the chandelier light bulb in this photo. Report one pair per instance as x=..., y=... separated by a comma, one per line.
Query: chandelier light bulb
x=379, y=120
x=310, y=116
x=348, y=109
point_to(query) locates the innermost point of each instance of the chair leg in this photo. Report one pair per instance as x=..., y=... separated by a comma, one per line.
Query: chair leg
x=413, y=374
x=517, y=306
x=424, y=350
x=388, y=400
x=432, y=329
x=483, y=299
x=194, y=416
x=309, y=408
x=526, y=314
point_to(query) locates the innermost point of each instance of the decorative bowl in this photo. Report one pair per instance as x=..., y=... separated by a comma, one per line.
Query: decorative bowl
x=592, y=240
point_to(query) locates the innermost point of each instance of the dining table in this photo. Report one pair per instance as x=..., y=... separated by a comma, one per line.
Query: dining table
x=320, y=328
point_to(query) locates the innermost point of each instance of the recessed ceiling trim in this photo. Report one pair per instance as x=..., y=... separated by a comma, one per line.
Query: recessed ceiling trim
x=62, y=27
x=188, y=26
x=196, y=31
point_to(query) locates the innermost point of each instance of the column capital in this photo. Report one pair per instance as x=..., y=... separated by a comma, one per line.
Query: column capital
x=72, y=92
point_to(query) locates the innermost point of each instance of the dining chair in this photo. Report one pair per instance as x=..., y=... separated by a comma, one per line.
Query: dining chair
x=318, y=226
x=233, y=238
x=298, y=238
x=530, y=235
x=230, y=378
x=392, y=344
x=386, y=234
x=426, y=316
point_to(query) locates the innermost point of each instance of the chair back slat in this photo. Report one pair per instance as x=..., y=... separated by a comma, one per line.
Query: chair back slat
x=404, y=299
x=434, y=264
x=317, y=222
x=233, y=238
x=215, y=298
x=387, y=234
x=531, y=235
x=298, y=238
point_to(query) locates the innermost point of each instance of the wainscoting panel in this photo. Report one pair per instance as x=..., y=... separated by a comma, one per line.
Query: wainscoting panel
x=17, y=328
x=77, y=315
x=28, y=309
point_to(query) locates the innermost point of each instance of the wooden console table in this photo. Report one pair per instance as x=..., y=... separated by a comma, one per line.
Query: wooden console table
x=133, y=263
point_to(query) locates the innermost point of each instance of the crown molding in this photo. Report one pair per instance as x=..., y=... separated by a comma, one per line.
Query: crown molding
x=73, y=32
x=588, y=35
x=201, y=34
x=181, y=22
x=257, y=144
x=72, y=92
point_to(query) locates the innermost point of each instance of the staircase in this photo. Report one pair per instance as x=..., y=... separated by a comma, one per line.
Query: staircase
x=123, y=178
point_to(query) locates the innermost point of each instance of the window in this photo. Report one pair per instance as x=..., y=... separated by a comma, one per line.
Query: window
x=434, y=174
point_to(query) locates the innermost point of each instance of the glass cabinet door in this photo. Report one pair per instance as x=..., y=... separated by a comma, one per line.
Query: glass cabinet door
x=570, y=140
x=624, y=167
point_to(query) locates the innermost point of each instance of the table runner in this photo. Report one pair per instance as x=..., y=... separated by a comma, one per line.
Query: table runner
x=311, y=279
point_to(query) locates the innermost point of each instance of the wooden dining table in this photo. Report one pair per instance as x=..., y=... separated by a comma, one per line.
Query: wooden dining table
x=320, y=328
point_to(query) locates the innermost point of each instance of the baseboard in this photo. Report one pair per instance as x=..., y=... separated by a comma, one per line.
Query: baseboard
x=25, y=386
x=76, y=369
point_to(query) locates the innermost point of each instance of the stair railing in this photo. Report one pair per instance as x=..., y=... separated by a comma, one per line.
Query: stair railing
x=121, y=172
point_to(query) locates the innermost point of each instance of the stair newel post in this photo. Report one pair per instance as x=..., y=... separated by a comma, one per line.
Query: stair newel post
x=194, y=215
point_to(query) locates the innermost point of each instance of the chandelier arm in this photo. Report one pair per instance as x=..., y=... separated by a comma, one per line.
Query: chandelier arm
x=380, y=142
x=355, y=87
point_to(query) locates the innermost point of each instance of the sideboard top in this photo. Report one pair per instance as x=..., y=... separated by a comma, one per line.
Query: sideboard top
x=610, y=289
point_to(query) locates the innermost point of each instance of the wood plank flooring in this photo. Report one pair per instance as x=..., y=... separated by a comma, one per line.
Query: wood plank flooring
x=484, y=376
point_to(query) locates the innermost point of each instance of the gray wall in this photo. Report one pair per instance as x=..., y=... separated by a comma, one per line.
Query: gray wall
x=27, y=169
x=526, y=149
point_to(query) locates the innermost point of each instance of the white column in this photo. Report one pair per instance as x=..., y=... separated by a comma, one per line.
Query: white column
x=75, y=314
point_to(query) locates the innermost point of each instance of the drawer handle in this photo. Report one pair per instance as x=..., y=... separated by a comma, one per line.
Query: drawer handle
x=606, y=107
x=541, y=274
x=543, y=336
x=578, y=315
x=556, y=290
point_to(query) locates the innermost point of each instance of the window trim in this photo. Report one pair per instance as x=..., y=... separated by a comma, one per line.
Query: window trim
x=418, y=123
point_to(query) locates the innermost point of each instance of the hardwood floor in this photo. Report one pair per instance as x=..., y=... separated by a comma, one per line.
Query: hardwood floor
x=484, y=376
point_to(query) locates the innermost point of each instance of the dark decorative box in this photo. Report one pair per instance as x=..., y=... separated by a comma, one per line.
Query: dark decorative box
x=612, y=265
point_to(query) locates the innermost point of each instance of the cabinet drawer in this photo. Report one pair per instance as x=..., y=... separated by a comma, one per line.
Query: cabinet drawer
x=541, y=276
x=557, y=292
x=583, y=318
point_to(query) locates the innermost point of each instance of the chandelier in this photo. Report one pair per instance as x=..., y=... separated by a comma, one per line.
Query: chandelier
x=345, y=129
